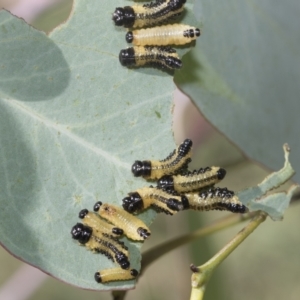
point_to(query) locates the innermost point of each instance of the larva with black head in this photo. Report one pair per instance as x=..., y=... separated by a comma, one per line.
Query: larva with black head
x=115, y=274
x=192, y=181
x=147, y=15
x=160, y=57
x=133, y=227
x=102, y=243
x=174, y=34
x=177, y=161
x=93, y=220
x=216, y=199
x=160, y=200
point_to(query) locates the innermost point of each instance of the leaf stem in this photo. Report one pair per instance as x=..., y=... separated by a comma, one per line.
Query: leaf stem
x=203, y=273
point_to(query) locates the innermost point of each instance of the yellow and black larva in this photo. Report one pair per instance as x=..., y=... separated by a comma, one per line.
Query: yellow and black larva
x=192, y=181
x=150, y=14
x=133, y=227
x=102, y=243
x=215, y=199
x=160, y=200
x=175, y=34
x=92, y=220
x=115, y=274
x=174, y=163
x=157, y=56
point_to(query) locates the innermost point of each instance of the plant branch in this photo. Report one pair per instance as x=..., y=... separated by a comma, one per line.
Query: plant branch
x=156, y=252
x=203, y=273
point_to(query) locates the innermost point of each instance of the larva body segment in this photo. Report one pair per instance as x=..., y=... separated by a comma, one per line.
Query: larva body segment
x=101, y=243
x=93, y=220
x=133, y=227
x=160, y=57
x=216, y=199
x=192, y=181
x=174, y=34
x=177, y=161
x=115, y=274
x=147, y=15
x=160, y=200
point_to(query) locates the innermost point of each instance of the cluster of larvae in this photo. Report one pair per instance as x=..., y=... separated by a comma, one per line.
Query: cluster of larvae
x=177, y=189
x=100, y=232
x=151, y=45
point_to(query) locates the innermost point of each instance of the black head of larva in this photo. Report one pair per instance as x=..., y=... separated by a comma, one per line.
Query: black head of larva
x=83, y=213
x=127, y=57
x=117, y=231
x=144, y=233
x=166, y=182
x=176, y=4
x=221, y=173
x=133, y=203
x=129, y=37
x=124, y=16
x=97, y=277
x=185, y=147
x=81, y=233
x=141, y=168
x=124, y=264
x=97, y=206
x=127, y=204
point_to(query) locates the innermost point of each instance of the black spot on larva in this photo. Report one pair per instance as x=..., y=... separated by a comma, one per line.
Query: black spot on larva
x=134, y=272
x=83, y=213
x=124, y=16
x=144, y=233
x=97, y=206
x=141, y=168
x=97, y=277
x=81, y=233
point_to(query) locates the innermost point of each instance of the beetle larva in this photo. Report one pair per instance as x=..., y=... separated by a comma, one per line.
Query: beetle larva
x=192, y=181
x=175, y=34
x=115, y=274
x=101, y=243
x=92, y=220
x=160, y=200
x=160, y=57
x=133, y=227
x=150, y=14
x=174, y=163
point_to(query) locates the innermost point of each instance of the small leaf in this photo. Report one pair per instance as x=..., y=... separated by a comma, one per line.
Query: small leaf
x=274, y=204
x=259, y=198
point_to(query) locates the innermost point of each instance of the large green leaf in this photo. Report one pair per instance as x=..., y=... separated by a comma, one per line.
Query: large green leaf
x=72, y=121
x=244, y=75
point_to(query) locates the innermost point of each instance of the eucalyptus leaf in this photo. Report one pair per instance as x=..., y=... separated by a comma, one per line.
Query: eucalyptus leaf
x=261, y=197
x=244, y=74
x=73, y=120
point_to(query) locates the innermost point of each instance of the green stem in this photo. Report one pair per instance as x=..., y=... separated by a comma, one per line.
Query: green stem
x=197, y=293
x=158, y=251
x=203, y=273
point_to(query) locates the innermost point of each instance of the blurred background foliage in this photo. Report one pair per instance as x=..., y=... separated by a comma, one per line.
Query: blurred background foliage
x=266, y=266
